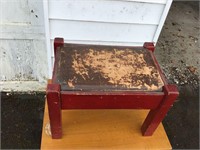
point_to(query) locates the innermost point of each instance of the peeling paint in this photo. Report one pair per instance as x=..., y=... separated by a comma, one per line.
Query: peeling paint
x=47, y=129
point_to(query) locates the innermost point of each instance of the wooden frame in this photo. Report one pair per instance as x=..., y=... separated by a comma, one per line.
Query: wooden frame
x=158, y=102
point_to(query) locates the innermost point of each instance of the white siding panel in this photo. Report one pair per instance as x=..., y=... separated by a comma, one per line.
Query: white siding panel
x=145, y=1
x=104, y=22
x=162, y=20
x=106, y=11
x=92, y=31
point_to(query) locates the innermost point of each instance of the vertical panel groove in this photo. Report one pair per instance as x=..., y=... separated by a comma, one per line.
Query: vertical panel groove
x=48, y=44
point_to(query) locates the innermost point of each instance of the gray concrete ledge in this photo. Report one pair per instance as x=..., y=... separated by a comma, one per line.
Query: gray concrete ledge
x=22, y=86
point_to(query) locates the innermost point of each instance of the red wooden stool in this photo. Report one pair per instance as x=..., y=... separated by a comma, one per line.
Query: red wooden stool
x=108, y=77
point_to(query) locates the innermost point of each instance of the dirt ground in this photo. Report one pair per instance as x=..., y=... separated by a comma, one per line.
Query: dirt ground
x=177, y=52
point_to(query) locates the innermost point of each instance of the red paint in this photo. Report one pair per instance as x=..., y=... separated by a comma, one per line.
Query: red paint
x=105, y=100
x=158, y=102
x=155, y=116
x=57, y=42
x=149, y=45
x=54, y=107
x=158, y=68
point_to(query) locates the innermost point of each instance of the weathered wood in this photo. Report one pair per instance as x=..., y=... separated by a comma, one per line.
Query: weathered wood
x=155, y=116
x=110, y=100
x=54, y=107
x=58, y=42
x=95, y=10
x=94, y=97
x=105, y=68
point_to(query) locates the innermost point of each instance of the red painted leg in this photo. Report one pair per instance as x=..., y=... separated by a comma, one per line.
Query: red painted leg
x=149, y=45
x=54, y=107
x=58, y=42
x=157, y=115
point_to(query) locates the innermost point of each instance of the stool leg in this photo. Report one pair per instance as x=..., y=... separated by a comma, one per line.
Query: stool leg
x=54, y=107
x=155, y=116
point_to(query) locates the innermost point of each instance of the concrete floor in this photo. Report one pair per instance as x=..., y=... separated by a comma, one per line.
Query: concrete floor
x=178, y=53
